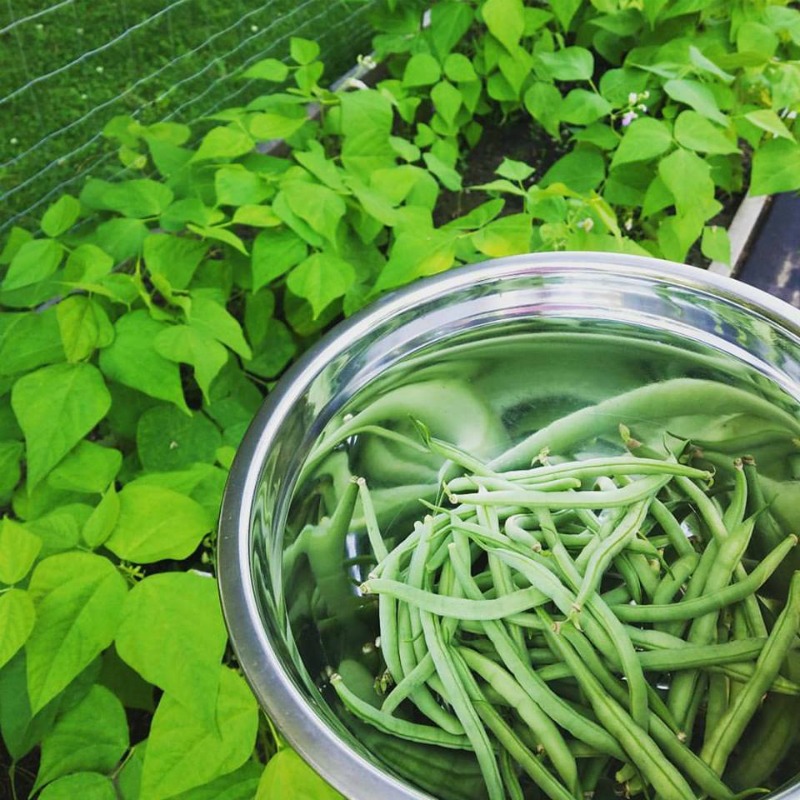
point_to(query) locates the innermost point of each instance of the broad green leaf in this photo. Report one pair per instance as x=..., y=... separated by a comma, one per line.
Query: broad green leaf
x=688, y=177
x=256, y=216
x=644, y=139
x=18, y=550
x=505, y=20
x=10, y=468
x=320, y=279
x=223, y=143
x=89, y=468
x=514, y=170
x=87, y=263
x=507, y=236
x=769, y=121
x=543, y=102
x=241, y=784
x=716, y=244
x=16, y=238
x=235, y=185
x=121, y=238
x=268, y=69
x=276, y=350
x=220, y=234
x=17, y=618
x=212, y=319
x=458, y=68
x=756, y=38
x=776, y=168
x=172, y=633
x=317, y=162
x=83, y=785
x=677, y=234
x=303, y=51
x=188, y=345
x=190, y=209
x=167, y=439
x=182, y=752
x=84, y=326
x=569, y=64
x=90, y=737
x=136, y=199
x=102, y=520
x=367, y=123
x=156, y=523
x=29, y=340
x=287, y=775
x=422, y=69
x=564, y=11
x=695, y=132
x=275, y=252
x=581, y=170
x=60, y=216
x=696, y=95
x=447, y=175
x=78, y=599
x=582, y=107
x=319, y=206
x=34, y=261
x=133, y=360
x=56, y=407
x=449, y=22
x=707, y=65
x=174, y=257
x=59, y=528
x=447, y=100
x=415, y=255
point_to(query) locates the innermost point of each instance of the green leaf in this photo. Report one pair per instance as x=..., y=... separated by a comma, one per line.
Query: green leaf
x=688, y=177
x=367, y=121
x=677, y=234
x=90, y=737
x=223, y=143
x=132, y=359
x=449, y=22
x=776, y=168
x=319, y=206
x=155, y=523
x=458, y=68
x=176, y=258
x=448, y=177
x=10, y=468
x=507, y=236
x=16, y=238
x=29, y=340
x=89, y=468
x=34, y=261
x=277, y=349
x=241, y=784
x=582, y=170
x=237, y=186
x=697, y=96
x=102, y=520
x=84, y=326
x=695, y=132
x=275, y=252
x=543, y=102
x=447, y=101
x=564, y=11
x=569, y=64
x=416, y=254
x=121, y=238
x=182, y=752
x=514, y=170
x=87, y=263
x=86, y=785
x=17, y=619
x=716, y=244
x=422, y=69
x=78, y=599
x=505, y=20
x=769, y=121
x=707, y=65
x=136, y=199
x=582, y=107
x=167, y=439
x=56, y=407
x=320, y=279
x=287, y=775
x=212, y=319
x=644, y=139
x=187, y=345
x=755, y=38
x=172, y=633
x=268, y=69
x=303, y=51
x=60, y=216
x=219, y=234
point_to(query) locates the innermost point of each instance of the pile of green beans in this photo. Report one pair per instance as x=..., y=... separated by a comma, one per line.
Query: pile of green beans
x=581, y=624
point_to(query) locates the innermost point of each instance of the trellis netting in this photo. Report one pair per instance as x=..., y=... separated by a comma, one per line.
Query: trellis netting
x=68, y=67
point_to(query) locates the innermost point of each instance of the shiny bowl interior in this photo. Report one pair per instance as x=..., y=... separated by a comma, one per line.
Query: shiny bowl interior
x=640, y=316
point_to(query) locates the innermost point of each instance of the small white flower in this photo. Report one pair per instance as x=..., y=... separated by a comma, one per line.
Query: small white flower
x=84, y=96
x=254, y=28
x=633, y=98
x=368, y=62
x=642, y=107
x=791, y=115
x=98, y=70
x=355, y=83
x=13, y=140
x=628, y=117
x=628, y=223
x=39, y=26
x=79, y=31
x=645, y=95
x=586, y=224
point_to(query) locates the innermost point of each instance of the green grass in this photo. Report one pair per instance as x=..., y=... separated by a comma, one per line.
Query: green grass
x=155, y=59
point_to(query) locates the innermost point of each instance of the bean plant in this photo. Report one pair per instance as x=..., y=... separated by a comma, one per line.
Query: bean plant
x=145, y=319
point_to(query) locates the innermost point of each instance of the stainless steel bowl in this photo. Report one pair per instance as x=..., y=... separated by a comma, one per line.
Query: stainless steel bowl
x=656, y=305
